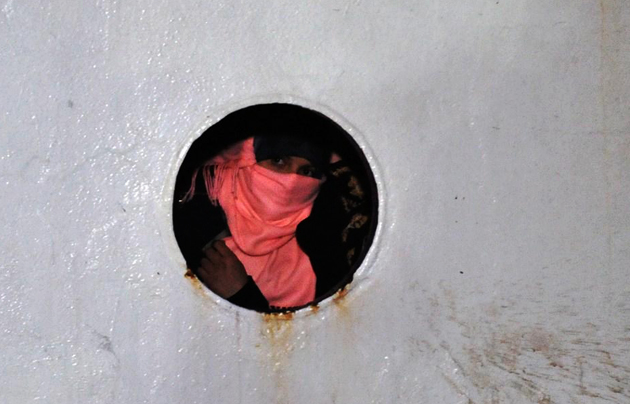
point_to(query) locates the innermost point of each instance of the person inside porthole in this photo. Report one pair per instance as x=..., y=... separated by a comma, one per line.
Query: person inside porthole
x=290, y=218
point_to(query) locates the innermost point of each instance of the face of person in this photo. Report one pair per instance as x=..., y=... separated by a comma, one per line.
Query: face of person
x=290, y=165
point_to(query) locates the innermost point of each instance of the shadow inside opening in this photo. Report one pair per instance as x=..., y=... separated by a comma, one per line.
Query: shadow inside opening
x=331, y=242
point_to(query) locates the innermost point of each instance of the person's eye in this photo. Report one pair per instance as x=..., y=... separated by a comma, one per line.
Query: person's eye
x=308, y=172
x=279, y=161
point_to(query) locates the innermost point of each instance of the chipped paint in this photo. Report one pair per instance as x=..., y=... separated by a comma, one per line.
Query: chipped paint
x=194, y=281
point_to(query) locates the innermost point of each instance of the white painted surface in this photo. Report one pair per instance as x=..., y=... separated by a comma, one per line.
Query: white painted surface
x=500, y=134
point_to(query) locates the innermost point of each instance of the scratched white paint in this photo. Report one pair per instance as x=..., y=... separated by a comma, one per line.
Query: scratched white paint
x=499, y=133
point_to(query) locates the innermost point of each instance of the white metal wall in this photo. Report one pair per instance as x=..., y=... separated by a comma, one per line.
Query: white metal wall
x=499, y=133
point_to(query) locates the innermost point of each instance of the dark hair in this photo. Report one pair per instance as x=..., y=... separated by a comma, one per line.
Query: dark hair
x=273, y=146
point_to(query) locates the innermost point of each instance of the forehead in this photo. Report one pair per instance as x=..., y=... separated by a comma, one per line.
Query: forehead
x=293, y=160
x=301, y=161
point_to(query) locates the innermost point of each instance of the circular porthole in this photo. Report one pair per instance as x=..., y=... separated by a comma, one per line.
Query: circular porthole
x=275, y=207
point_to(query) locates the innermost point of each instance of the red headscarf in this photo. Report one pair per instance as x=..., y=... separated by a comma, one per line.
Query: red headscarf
x=263, y=209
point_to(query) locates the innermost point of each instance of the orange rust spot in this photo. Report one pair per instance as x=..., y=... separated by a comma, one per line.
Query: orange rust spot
x=277, y=330
x=277, y=325
x=340, y=294
x=314, y=309
x=193, y=279
x=339, y=300
x=273, y=317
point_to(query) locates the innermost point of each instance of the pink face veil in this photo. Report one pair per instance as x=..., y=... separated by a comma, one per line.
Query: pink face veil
x=263, y=209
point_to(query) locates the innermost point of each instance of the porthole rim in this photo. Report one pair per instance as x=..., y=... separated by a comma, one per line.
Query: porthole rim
x=360, y=277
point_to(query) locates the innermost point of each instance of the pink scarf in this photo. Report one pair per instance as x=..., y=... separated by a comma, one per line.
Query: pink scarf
x=263, y=209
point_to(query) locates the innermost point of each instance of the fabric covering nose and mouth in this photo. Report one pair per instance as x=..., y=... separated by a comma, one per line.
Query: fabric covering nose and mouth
x=263, y=209
x=276, y=199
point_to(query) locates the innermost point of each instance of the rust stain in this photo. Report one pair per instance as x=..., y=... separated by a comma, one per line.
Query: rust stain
x=193, y=279
x=277, y=330
x=339, y=301
x=343, y=322
x=529, y=358
x=340, y=295
x=540, y=341
x=277, y=318
x=457, y=388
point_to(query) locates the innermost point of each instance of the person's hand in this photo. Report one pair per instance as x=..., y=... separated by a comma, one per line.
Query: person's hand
x=221, y=270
